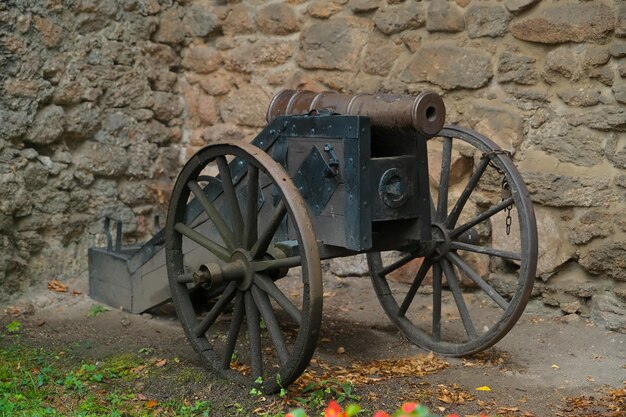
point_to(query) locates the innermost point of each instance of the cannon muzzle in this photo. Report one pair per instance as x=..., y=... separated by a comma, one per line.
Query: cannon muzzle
x=426, y=112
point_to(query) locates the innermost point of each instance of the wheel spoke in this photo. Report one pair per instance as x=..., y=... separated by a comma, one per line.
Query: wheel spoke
x=444, y=180
x=225, y=233
x=485, y=250
x=185, y=278
x=260, y=247
x=233, y=330
x=250, y=227
x=482, y=217
x=231, y=197
x=419, y=278
x=273, y=328
x=460, y=203
x=220, y=305
x=471, y=274
x=259, y=266
x=273, y=291
x=215, y=248
x=254, y=334
x=436, y=302
x=458, y=298
x=397, y=264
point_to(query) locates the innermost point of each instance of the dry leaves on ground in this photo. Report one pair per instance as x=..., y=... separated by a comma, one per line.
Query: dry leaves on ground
x=57, y=286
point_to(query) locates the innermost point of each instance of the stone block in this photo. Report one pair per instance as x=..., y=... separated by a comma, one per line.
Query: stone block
x=608, y=311
x=199, y=21
x=14, y=124
x=239, y=20
x=361, y=6
x=498, y=122
x=604, y=118
x=82, y=121
x=350, y=266
x=491, y=21
x=277, y=19
x=615, y=150
x=223, y=132
x=552, y=252
x=460, y=166
x=102, y=159
x=596, y=55
x=444, y=16
x=323, y=9
x=333, y=44
x=604, y=74
x=48, y=125
x=580, y=95
x=51, y=33
x=202, y=59
x=617, y=48
x=619, y=92
x=592, y=224
x=246, y=106
x=620, y=23
x=395, y=19
x=518, y=6
x=518, y=69
x=564, y=61
x=569, y=191
x=248, y=55
x=380, y=54
x=449, y=66
x=167, y=106
x=170, y=24
x=566, y=22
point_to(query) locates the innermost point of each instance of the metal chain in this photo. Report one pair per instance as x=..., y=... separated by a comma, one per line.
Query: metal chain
x=506, y=188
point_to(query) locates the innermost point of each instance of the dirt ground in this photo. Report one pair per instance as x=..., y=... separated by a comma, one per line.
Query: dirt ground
x=547, y=365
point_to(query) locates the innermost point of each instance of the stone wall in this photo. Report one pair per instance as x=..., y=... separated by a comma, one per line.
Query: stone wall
x=102, y=100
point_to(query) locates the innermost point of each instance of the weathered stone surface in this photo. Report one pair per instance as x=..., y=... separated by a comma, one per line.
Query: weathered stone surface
x=277, y=19
x=202, y=59
x=619, y=91
x=323, y=9
x=14, y=124
x=170, y=24
x=584, y=95
x=199, y=21
x=333, y=44
x=239, y=20
x=360, y=6
x=617, y=48
x=615, y=150
x=590, y=225
x=412, y=39
x=223, y=132
x=351, y=266
x=516, y=68
x=394, y=19
x=577, y=145
x=566, y=22
x=564, y=62
x=498, y=122
x=82, y=121
x=245, y=106
x=380, y=55
x=604, y=74
x=491, y=21
x=608, y=311
x=596, y=55
x=48, y=125
x=102, y=159
x=444, y=16
x=518, y=6
x=621, y=68
x=449, y=66
x=552, y=252
x=51, y=33
x=215, y=84
x=567, y=191
x=460, y=166
x=249, y=54
x=605, y=118
x=166, y=106
x=620, y=24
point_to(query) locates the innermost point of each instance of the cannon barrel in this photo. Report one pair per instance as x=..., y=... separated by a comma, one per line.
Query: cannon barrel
x=426, y=112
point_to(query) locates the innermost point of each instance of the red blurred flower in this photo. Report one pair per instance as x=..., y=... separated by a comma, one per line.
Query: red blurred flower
x=409, y=407
x=334, y=410
x=381, y=414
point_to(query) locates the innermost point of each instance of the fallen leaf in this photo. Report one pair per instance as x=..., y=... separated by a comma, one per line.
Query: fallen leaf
x=341, y=350
x=483, y=388
x=76, y=292
x=57, y=286
x=160, y=363
x=151, y=404
x=555, y=367
x=141, y=397
x=13, y=311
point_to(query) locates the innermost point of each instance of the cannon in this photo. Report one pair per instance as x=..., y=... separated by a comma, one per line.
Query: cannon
x=441, y=213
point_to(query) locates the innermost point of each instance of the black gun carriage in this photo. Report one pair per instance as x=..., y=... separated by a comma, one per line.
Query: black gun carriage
x=337, y=175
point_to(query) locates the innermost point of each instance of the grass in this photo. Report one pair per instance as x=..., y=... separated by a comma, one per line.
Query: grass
x=36, y=382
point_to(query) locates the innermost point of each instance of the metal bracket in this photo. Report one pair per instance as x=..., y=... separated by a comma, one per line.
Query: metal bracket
x=313, y=181
x=118, y=235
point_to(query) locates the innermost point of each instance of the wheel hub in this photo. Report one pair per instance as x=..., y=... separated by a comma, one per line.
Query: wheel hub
x=442, y=240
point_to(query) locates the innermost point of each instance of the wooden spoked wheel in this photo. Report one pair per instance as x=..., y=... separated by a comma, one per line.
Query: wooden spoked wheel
x=466, y=291
x=250, y=329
